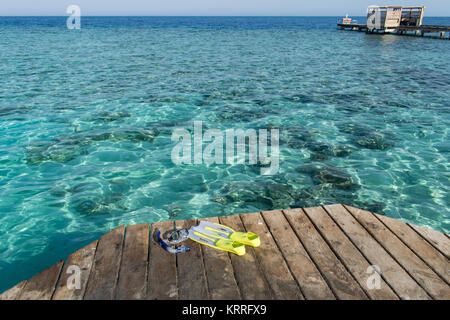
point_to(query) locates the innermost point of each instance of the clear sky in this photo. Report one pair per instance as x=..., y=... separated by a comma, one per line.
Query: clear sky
x=212, y=7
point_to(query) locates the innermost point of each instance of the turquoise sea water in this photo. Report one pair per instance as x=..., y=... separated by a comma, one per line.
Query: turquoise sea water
x=86, y=118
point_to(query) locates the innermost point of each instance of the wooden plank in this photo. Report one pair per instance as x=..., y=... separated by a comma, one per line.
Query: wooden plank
x=132, y=283
x=192, y=283
x=430, y=281
x=311, y=282
x=162, y=268
x=435, y=259
x=348, y=253
x=344, y=286
x=402, y=283
x=42, y=285
x=219, y=273
x=82, y=259
x=271, y=261
x=251, y=281
x=103, y=278
x=435, y=238
x=14, y=292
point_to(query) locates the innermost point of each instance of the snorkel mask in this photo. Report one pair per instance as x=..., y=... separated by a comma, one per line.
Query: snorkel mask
x=173, y=238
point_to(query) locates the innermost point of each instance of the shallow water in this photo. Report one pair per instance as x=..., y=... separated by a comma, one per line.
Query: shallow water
x=86, y=118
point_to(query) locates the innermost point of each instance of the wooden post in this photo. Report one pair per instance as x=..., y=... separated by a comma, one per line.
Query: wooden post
x=421, y=16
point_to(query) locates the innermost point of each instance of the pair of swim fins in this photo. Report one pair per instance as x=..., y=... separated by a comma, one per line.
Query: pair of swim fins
x=223, y=238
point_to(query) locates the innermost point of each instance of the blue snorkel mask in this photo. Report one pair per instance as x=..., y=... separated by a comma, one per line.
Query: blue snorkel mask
x=175, y=237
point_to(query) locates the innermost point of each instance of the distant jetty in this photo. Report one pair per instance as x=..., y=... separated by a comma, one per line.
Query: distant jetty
x=398, y=20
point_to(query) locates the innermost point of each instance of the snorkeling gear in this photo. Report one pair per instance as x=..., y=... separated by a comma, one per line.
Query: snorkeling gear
x=174, y=237
x=217, y=243
x=216, y=230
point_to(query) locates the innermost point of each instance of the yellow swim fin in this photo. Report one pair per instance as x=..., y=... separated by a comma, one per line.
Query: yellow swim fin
x=217, y=243
x=219, y=231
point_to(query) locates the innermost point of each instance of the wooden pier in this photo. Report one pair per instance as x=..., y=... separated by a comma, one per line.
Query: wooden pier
x=400, y=30
x=328, y=252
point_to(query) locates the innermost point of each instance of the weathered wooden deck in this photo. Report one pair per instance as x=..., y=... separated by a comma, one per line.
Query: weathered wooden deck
x=312, y=253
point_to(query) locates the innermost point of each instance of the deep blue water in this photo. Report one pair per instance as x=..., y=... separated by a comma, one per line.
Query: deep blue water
x=86, y=118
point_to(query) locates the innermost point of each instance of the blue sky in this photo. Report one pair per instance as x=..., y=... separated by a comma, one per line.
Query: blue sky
x=212, y=7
